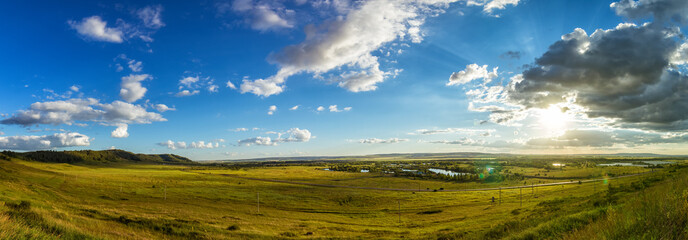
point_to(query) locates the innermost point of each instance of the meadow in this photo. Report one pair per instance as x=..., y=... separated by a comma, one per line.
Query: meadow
x=271, y=200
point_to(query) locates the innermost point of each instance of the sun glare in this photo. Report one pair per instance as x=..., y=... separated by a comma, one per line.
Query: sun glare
x=553, y=118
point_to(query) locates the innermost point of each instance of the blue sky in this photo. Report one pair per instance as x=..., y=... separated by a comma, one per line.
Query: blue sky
x=344, y=77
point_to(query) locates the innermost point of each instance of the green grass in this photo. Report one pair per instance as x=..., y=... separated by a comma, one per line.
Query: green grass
x=144, y=201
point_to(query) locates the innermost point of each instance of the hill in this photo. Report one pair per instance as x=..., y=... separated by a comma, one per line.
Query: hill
x=96, y=157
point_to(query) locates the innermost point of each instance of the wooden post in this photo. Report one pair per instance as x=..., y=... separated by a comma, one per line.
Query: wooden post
x=399, y=202
x=258, y=201
x=521, y=196
x=500, y=195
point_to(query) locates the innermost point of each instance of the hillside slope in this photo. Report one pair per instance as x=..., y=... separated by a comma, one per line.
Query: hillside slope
x=95, y=157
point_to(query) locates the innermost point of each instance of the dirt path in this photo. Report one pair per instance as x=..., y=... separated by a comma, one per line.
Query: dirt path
x=427, y=190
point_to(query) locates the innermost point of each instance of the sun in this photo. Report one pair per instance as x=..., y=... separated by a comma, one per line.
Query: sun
x=553, y=118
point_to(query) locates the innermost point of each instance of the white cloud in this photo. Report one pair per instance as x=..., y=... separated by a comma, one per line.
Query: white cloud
x=193, y=83
x=346, y=45
x=135, y=66
x=95, y=28
x=131, y=87
x=74, y=88
x=296, y=107
x=212, y=88
x=151, y=16
x=193, y=145
x=188, y=81
x=467, y=131
x=120, y=131
x=462, y=141
x=163, y=108
x=262, y=15
x=239, y=130
x=77, y=111
x=231, y=85
x=186, y=93
x=333, y=108
x=272, y=109
x=57, y=140
x=260, y=141
x=173, y=145
x=294, y=135
x=490, y=5
x=297, y=135
x=472, y=72
x=382, y=141
x=320, y=109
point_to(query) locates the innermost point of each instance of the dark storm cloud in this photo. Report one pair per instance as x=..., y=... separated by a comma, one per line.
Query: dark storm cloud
x=622, y=73
x=660, y=10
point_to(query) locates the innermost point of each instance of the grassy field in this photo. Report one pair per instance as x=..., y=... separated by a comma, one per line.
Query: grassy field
x=153, y=201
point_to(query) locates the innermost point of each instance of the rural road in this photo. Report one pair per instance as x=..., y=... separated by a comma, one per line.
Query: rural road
x=426, y=190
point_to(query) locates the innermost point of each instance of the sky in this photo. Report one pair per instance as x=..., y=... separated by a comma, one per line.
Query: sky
x=238, y=79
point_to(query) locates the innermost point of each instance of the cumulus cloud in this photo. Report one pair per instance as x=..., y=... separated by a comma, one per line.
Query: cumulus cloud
x=188, y=86
x=292, y=135
x=186, y=93
x=382, y=141
x=472, y=72
x=57, y=140
x=659, y=10
x=96, y=29
x=132, y=89
x=320, y=109
x=74, y=88
x=120, y=131
x=188, y=81
x=295, y=107
x=627, y=75
x=193, y=145
x=272, y=109
x=259, y=141
x=621, y=73
x=346, y=45
x=333, y=108
x=79, y=111
x=163, y=108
